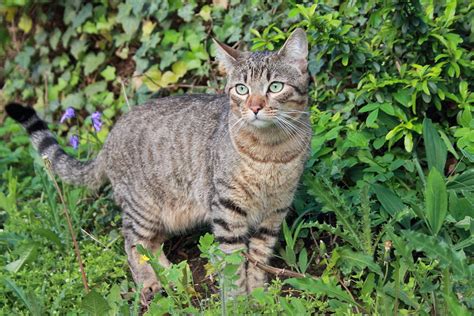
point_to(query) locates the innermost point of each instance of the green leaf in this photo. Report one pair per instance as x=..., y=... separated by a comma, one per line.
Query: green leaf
x=359, y=260
x=152, y=78
x=108, y=73
x=389, y=200
x=95, y=304
x=27, y=254
x=92, y=62
x=371, y=118
x=462, y=182
x=319, y=287
x=437, y=249
x=303, y=260
x=403, y=96
x=28, y=299
x=436, y=151
x=179, y=68
x=408, y=142
x=82, y=16
x=25, y=23
x=436, y=200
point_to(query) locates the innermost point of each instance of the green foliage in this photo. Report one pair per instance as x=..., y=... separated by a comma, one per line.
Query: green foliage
x=384, y=214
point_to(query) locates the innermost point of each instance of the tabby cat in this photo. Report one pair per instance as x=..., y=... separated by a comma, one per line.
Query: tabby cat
x=230, y=160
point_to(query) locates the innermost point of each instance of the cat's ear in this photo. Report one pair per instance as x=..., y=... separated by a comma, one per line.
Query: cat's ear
x=295, y=49
x=227, y=55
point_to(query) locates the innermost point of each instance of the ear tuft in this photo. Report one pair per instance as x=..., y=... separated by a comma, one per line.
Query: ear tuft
x=295, y=49
x=227, y=55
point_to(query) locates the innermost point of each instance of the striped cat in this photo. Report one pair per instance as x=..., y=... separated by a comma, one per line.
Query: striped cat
x=230, y=160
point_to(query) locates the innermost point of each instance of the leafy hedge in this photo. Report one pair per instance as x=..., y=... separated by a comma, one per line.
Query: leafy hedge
x=387, y=193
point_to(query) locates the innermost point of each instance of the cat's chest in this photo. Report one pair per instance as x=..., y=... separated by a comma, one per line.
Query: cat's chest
x=263, y=187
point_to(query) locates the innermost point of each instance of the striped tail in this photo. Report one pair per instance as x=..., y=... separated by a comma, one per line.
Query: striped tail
x=89, y=173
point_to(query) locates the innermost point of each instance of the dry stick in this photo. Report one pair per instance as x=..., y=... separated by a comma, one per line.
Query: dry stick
x=125, y=93
x=273, y=270
x=49, y=171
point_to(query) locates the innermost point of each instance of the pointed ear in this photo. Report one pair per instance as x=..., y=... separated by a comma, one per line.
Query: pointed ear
x=295, y=49
x=227, y=55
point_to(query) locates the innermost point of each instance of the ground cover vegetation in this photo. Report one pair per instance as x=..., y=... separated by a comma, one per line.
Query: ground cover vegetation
x=383, y=219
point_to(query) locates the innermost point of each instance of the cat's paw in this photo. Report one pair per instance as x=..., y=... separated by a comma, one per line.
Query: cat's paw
x=150, y=288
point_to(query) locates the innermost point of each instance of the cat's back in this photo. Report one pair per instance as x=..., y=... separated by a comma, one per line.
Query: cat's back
x=166, y=130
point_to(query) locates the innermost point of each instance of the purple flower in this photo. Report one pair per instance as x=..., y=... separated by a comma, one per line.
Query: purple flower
x=96, y=121
x=69, y=113
x=74, y=141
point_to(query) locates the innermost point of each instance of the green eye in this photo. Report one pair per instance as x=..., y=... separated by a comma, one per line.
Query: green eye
x=241, y=89
x=276, y=86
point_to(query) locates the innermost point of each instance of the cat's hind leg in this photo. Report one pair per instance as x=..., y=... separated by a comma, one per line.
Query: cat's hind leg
x=147, y=232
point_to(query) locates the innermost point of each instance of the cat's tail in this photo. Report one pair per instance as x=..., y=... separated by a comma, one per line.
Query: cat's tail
x=88, y=173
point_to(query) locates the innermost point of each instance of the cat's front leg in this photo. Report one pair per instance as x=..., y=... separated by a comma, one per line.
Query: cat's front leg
x=260, y=247
x=230, y=229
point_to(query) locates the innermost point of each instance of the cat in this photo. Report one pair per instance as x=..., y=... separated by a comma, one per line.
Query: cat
x=232, y=160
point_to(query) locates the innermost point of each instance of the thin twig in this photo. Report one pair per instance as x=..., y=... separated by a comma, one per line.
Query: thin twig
x=49, y=171
x=278, y=272
x=347, y=290
x=125, y=94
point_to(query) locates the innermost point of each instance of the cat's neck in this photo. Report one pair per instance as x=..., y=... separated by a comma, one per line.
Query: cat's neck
x=272, y=143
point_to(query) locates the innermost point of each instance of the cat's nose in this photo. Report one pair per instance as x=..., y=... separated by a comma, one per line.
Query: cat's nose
x=255, y=103
x=255, y=108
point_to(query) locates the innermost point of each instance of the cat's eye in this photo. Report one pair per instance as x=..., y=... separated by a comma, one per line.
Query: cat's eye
x=241, y=89
x=275, y=86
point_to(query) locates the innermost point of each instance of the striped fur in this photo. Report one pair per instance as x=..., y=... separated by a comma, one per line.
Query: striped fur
x=178, y=162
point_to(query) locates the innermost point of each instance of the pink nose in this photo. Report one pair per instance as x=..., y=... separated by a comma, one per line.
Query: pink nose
x=256, y=103
x=255, y=108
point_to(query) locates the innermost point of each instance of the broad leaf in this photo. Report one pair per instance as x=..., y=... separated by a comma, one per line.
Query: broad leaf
x=389, y=200
x=95, y=304
x=436, y=151
x=436, y=201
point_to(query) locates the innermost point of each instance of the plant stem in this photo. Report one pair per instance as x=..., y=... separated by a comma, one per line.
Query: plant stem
x=49, y=170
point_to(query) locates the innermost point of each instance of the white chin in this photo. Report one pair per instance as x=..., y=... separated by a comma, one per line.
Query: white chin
x=260, y=123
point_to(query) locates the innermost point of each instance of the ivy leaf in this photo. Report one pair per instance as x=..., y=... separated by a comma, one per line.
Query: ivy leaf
x=147, y=28
x=78, y=47
x=74, y=100
x=108, y=73
x=152, y=78
x=179, y=68
x=82, y=16
x=25, y=23
x=130, y=24
x=205, y=13
x=92, y=62
x=168, y=78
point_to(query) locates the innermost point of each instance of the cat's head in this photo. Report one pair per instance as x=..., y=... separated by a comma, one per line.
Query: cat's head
x=267, y=88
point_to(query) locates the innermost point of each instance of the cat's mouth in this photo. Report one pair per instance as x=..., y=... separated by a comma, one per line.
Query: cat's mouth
x=259, y=120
